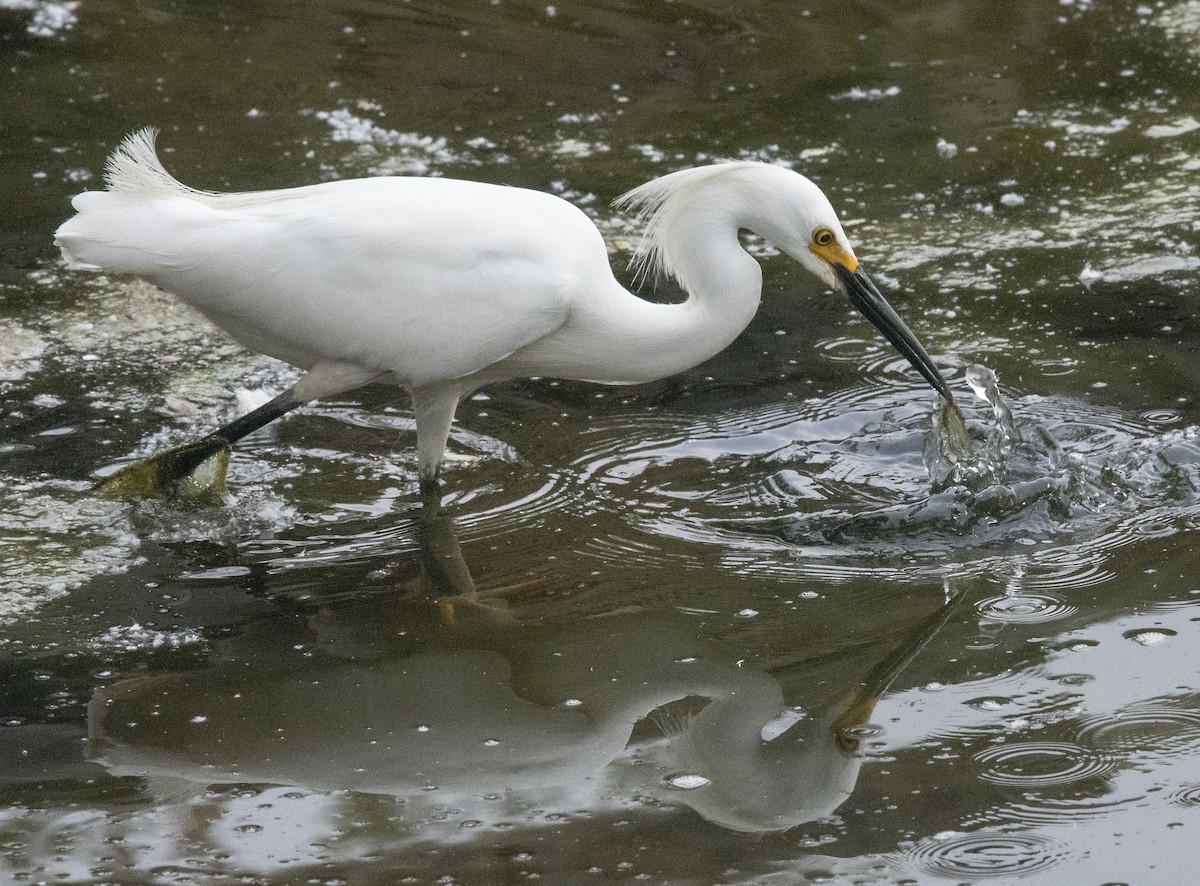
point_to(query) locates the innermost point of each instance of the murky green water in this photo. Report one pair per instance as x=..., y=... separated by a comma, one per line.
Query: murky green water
x=717, y=629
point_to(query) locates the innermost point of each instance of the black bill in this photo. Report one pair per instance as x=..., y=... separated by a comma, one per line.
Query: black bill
x=870, y=301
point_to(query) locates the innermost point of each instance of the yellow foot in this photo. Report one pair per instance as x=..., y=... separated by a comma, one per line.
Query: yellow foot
x=492, y=604
x=191, y=471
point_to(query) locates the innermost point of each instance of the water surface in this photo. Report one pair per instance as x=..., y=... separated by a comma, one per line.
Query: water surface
x=738, y=626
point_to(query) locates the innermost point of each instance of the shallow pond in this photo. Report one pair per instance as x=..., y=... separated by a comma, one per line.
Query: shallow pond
x=737, y=626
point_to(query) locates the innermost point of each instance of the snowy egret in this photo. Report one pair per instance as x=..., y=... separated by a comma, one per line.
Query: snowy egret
x=442, y=286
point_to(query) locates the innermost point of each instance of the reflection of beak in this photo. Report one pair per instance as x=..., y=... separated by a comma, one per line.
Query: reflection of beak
x=870, y=301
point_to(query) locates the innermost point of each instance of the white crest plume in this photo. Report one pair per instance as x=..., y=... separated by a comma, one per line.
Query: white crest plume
x=658, y=203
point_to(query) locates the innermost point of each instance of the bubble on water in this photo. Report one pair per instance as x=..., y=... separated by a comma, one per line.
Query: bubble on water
x=1149, y=636
x=135, y=637
x=50, y=17
x=1181, y=24
x=56, y=537
x=408, y=153
x=686, y=782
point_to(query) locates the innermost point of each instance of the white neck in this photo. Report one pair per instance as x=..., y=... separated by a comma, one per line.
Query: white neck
x=617, y=338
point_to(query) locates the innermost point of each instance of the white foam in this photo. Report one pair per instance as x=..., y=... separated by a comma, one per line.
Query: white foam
x=49, y=18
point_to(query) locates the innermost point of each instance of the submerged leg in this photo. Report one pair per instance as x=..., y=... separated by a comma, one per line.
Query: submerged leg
x=167, y=470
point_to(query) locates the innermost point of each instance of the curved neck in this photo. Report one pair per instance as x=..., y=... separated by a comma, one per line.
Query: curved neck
x=615, y=337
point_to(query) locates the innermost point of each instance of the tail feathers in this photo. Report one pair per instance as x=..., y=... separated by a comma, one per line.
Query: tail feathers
x=117, y=229
x=126, y=233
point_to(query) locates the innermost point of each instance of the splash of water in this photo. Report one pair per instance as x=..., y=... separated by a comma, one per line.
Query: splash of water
x=1002, y=484
x=952, y=458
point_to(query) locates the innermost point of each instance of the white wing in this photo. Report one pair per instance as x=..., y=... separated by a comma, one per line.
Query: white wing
x=431, y=279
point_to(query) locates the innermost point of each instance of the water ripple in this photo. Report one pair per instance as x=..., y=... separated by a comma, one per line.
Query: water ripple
x=985, y=854
x=1188, y=795
x=1024, y=608
x=1030, y=764
x=1051, y=812
x=838, y=485
x=1154, y=730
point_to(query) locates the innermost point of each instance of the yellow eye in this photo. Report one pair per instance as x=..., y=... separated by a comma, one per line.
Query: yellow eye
x=823, y=237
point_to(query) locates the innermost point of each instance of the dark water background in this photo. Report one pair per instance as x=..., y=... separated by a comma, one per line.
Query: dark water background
x=688, y=595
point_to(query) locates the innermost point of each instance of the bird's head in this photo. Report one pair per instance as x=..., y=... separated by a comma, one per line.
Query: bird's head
x=681, y=211
x=814, y=237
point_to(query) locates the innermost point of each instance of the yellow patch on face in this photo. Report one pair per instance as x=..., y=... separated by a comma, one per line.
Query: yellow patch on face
x=826, y=247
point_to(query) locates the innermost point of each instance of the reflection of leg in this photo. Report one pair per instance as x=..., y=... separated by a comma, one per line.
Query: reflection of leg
x=441, y=556
x=447, y=576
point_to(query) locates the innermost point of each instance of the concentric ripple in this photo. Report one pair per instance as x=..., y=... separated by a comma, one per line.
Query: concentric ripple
x=1024, y=608
x=1152, y=730
x=1038, y=811
x=1039, y=764
x=985, y=854
x=1189, y=796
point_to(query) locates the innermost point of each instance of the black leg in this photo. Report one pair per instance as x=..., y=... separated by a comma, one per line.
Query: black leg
x=431, y=495
x=263, y=415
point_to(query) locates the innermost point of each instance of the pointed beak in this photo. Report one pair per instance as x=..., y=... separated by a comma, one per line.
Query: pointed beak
x=871, y=303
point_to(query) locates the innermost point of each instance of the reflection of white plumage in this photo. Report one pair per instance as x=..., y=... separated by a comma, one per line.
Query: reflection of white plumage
x=442, y=286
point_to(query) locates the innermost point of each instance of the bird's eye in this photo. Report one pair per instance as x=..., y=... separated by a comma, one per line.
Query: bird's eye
x=822, y=236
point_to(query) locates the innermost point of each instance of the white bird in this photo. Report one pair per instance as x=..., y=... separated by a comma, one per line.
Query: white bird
x=442, y=286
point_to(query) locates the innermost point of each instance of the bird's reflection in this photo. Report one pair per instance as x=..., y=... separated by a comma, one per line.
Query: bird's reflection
x=547, y=712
